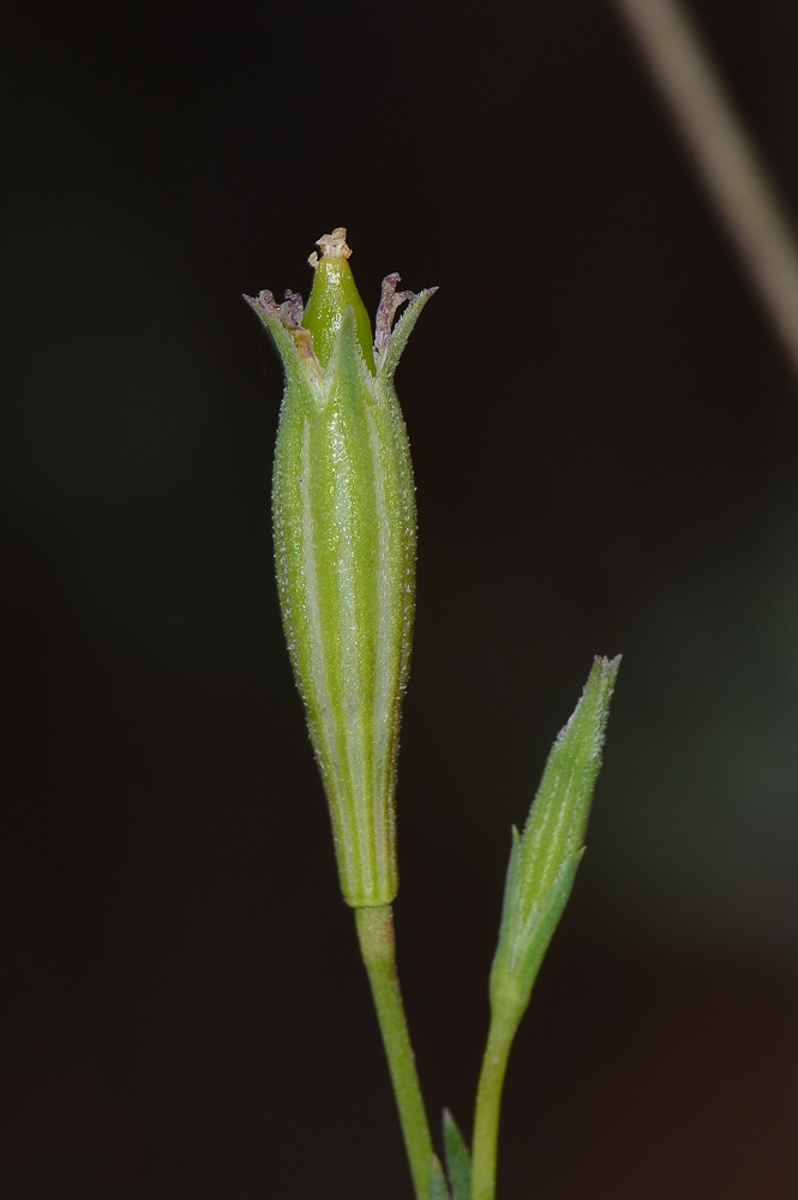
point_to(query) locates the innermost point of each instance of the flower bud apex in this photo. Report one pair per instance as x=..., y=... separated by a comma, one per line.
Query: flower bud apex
x=345, y=538
x=333, y=292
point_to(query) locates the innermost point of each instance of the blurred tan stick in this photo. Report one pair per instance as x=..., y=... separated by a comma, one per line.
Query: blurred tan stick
x=724, y=154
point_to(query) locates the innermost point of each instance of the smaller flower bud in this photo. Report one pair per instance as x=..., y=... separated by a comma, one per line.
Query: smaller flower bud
x=543, y=861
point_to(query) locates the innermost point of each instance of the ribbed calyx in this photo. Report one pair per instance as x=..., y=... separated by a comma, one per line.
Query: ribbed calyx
x=345, y=539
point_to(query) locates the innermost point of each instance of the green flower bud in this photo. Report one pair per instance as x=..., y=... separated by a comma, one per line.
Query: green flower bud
x=543, y=861
x=333, y=292
x=345, y=544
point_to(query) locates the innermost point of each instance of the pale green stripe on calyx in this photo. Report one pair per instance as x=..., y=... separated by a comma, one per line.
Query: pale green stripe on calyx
x=316, y=688
x=352, y=603
x=385, y=717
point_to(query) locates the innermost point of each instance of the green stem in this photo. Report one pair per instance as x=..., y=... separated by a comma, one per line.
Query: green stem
x=375, y=932
x=504, y=1023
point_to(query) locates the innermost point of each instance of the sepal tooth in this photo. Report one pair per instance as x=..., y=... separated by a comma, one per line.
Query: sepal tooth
x=388, y=359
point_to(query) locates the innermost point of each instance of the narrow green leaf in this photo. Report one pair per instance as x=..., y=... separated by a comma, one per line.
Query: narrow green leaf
x=438, y=1189
x=528, y=947
x=510, y=902
x=458, y=1162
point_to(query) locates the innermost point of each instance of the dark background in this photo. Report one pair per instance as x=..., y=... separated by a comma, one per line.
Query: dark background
x=606, y=450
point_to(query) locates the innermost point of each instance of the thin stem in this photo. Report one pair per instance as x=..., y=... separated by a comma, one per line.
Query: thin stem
x=725, y=155
x=504, y=1023
x=375, y=932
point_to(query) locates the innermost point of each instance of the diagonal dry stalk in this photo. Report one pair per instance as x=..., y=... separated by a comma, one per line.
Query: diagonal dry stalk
x=724, y=153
